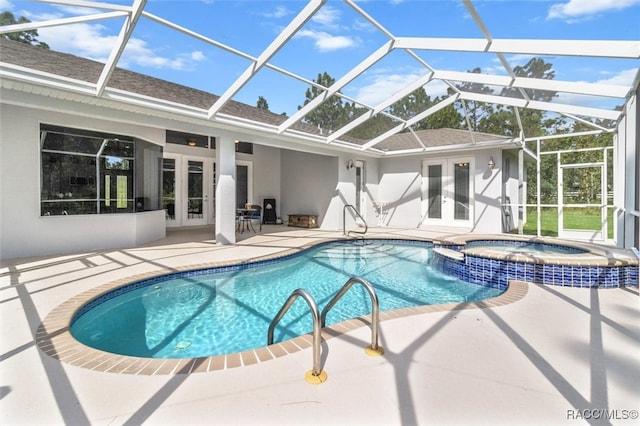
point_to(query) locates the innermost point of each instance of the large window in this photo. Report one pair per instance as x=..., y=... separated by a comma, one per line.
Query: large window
x=86, y=172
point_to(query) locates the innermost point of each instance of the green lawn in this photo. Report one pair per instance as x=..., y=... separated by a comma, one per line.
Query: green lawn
x=574, y=218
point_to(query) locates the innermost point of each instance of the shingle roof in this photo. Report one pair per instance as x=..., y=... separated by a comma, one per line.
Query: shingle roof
x=86, y=70
x=433, y=138
x=74, y=67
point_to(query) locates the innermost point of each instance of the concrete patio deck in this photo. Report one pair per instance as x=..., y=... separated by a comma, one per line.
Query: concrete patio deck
x=556, y=356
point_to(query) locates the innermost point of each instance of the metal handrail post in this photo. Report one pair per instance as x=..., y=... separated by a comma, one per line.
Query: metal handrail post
x=375, y=309
x=313, y=306
x=344, y=220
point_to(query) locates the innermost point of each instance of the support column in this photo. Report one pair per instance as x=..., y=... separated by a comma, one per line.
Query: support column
x=226, y=191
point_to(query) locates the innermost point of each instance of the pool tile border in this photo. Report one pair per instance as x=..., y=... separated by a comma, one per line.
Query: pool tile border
x=54, y=338
x=589, y=266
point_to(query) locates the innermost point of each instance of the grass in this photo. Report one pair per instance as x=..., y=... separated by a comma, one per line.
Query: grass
x=574, y=218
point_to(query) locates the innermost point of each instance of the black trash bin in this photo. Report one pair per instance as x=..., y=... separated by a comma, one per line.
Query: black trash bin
x=269, y=215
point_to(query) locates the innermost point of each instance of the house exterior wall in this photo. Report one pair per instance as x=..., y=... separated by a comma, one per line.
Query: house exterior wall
x=308, y=186
x=23, y=232
x=266, y=174
x=488, y=192
x=401, y=188
x=627, y=178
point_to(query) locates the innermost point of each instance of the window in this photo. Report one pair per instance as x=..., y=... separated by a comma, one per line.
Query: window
x=86, y=172
x=244, y=147
x=190, y=139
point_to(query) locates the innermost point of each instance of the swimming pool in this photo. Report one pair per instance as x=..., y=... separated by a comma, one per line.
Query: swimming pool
x=225, y=310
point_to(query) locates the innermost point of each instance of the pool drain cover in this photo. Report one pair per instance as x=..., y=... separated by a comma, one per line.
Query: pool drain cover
x=183, y=344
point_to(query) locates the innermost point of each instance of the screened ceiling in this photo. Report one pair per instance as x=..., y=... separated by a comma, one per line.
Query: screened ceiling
x=394, y=58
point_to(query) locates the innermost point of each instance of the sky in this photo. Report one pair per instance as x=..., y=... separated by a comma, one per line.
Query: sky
x=336, y=39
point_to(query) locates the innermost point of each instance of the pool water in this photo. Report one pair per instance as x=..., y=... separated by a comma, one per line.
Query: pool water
x=525, y=247
x=197, y=315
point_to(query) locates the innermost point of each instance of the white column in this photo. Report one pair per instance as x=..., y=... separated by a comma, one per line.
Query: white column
x=226, y=191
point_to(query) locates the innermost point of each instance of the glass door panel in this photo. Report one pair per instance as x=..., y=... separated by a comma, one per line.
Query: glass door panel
x=360, y=192
x=242, y=186
x=461, y=193
x=447, y=192
x=169, y=188
x=196, y=195
x=434, y=191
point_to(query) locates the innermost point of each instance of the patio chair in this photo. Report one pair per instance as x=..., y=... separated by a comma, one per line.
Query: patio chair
x=253, y=213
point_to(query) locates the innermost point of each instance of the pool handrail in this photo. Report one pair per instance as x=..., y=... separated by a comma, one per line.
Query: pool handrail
x=313, y=306
x=344, y=220
x=375, y=309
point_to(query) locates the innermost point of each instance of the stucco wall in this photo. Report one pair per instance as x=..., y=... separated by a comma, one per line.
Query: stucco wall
x=309, y=183
x=23, y=232
x=266, y=174
x=401, y=188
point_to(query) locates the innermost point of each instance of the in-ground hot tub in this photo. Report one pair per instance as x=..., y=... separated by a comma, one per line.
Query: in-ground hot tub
x=497, y=259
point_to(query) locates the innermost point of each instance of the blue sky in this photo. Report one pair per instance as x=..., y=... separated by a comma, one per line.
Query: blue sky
x=336, y=39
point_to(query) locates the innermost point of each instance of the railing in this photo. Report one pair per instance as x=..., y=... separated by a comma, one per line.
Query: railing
x=316, y=371
x=344, y=220
x=316, y=375
x=374, y=349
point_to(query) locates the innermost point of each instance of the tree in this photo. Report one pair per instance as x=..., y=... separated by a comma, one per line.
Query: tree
x=475, y=112
x=29, y=37
x=533, y=121
x=332, y=113
x=411, y=105
x=446, y=118
x=262, y=103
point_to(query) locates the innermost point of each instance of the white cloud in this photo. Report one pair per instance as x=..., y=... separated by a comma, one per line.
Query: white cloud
x=197, y=55
x=383, y=85
x=279, y=12
x=81, y=39
x=89, y=41
x=327, y=17
x=584, y=9
x=6, y=5
x=326, y=42
x=622, y=78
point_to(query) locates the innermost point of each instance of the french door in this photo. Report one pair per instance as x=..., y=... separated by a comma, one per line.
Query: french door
x=447, y=192
x=188, y=190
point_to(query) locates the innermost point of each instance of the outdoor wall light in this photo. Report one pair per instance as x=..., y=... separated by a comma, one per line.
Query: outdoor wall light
x=349, y=164
x=491, y=164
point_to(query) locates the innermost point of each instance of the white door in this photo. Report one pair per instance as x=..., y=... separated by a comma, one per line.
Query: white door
x=188, y=190
x=360, y=184
x=447, y=192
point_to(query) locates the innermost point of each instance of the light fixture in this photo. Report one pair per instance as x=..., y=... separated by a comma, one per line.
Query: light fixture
x=191, y=142
x=349, y=164
x=491, y=163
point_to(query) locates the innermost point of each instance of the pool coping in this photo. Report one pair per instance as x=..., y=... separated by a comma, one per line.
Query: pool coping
x=54, y=338
x=595, y=255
